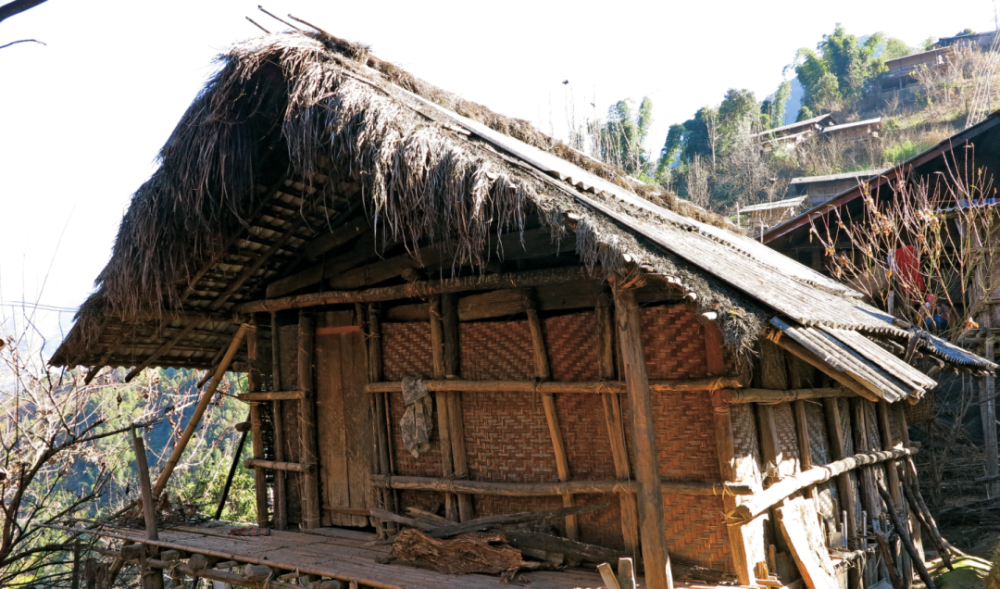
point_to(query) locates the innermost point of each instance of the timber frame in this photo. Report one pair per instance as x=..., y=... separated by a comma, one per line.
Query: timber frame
x=665, y=391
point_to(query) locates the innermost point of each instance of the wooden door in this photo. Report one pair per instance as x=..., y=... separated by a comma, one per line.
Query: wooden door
x=343, y=419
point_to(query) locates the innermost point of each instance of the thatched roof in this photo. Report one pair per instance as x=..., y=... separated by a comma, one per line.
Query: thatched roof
x=301, y=139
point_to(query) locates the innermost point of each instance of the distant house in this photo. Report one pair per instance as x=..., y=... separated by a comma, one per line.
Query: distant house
x=820, y=189
x=983, y=40
x=858, y=130
x=790, y=135
x=761, y=217
x=900, y=74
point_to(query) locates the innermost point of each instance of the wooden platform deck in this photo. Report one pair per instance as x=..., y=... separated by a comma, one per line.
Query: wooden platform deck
x=344, y=554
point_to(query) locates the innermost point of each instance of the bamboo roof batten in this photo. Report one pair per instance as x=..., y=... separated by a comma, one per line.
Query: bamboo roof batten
x=501, y=489
x=530, y=386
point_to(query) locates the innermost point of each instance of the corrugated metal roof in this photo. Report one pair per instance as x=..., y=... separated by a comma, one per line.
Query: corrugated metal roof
x=831, y=177
x=788, y=203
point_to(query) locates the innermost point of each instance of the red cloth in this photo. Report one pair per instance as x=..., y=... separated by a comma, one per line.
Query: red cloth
x=904, y=263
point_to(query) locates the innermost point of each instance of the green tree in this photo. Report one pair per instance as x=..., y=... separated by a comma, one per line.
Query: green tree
x=668, y=155
x=623, y=136
x=894, y=48
x=965, y=32
x=851, y=63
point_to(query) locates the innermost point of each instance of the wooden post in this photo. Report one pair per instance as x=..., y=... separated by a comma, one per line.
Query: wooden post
x=280, y=484
x=838, y=449
x=151, y=579
x=650, y=495
x=988, y=412
x=311, y=511
x=256, y=438
x=375, y=374
x=892, y=472
x=75, y=580
x=726, y=451
x=613, y=419
x=442, y=402
x=456, y=425
x=869, y=491
x=192, y=425
x=543, y=373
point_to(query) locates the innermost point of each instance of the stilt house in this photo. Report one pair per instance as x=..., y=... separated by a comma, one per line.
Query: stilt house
x=443, y=311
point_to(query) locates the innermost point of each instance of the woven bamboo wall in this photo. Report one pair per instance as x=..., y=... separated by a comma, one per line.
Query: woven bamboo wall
x=507, y=437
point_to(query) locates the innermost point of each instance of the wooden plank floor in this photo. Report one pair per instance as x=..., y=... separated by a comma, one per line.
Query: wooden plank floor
x=344, y=554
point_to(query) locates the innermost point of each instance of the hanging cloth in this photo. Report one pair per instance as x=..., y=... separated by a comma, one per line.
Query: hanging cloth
x=416, y=425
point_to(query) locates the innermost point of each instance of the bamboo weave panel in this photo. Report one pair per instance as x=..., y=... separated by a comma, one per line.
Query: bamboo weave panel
x=819, y=446
x=848, y=435
x=695, y=531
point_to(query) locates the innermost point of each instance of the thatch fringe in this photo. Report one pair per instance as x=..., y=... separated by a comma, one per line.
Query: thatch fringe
x=304, y=102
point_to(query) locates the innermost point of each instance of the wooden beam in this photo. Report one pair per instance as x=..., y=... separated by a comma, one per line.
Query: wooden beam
x=559, y=388
x=195, y=419
x=280, y=483
x=752, y=395
x=311, y=512
x=650, y=493
x=420, y=289
x=352, y=228
x=456, y=425
x=442, y=401
x=256, y=429
x=787, y=487
x=543, y=373
x=806, y=356
x=301, y=467
x=613, y=420
x=363, y=251
x=256, y=397
x=448, y=485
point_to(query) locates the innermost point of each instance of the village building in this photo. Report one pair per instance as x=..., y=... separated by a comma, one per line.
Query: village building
x=900, y=70
x=981, y=40
x=856, y=131
x=453, y=323
x=820, y=189
x=789, y=136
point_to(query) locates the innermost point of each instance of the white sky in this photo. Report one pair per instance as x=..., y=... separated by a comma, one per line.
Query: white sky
x=82, y=119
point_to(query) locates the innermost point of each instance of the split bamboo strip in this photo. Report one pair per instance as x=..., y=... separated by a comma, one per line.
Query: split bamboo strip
x=650, y=493
x=271, y=396
x=787, y=487
x=556, y=388
x=280, y=466
x=838, y=448
x=869, y=493
x=613, y=419
x=781, y=396
x=206, y=398
x=456, y=423
x=421, y=289
x=490, y=488
x=543, y=373
x=280, y=487
x=311, y=512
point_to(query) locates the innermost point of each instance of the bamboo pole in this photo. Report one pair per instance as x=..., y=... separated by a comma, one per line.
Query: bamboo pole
x=551, y=489
x=381, y=464
x=421, y=289
x=206, y=398
x=442, y=401
x=256, y=439
x=150, y=580
x=838, y=448
x=456, y=425
x=311, y=512
x=232, y=471
x=301, y=467
x=788, y=486
x=543, y=373
x=650, y=493
x=277, y=410
x=271, y=396
x=558, y=388
x=844, y=379
x=613, y=420
x=734, y=396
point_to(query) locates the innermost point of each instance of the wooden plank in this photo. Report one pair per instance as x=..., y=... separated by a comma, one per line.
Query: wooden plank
x=280, y=486
x=543, y=373
x=613, y=420
x=357, y=422
x=330, y=414
x=256, y=430
x=456, y=423
x=799, y=525
x=311, y=512
x=650, y=495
